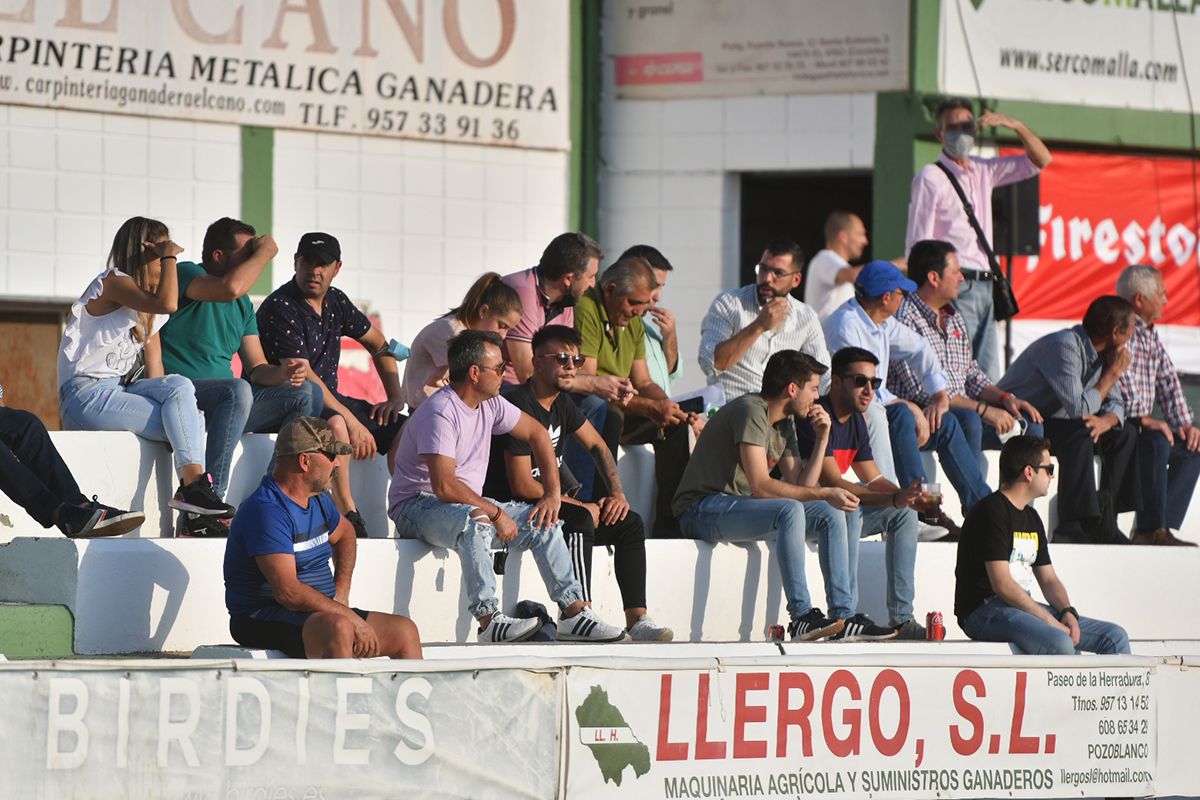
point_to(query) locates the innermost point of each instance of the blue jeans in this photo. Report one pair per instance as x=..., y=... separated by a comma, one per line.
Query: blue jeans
x=275, y=406
x=881, y=444
x=900, y=553
x=975, y=305
x=956, y=458
x=730, y=518
x=576, y=457
x=159, y=409
x=997, y=621
x=450, y=525
x=982, y=437
x=226, y=406
x=1167, y=474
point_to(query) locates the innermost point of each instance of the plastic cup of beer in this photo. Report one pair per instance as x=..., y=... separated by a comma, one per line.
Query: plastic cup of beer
x=931, y=496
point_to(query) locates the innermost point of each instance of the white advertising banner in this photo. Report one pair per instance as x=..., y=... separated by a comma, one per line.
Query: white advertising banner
x=223, y=734
x=487, y=72
x=1120, y=54
x=910, y=732
x=729, y=48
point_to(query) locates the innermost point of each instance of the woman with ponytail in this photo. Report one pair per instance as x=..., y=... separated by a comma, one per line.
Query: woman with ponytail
x=112, y=327
x=490, y=305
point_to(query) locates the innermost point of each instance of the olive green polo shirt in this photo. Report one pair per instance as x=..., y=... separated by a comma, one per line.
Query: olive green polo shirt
x=614, y=355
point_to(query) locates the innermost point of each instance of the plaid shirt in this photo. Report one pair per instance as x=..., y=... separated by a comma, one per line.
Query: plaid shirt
x=952, y=346
x=1151, y=376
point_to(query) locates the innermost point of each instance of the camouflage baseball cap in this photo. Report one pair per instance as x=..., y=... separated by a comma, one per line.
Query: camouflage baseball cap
x=309, y=435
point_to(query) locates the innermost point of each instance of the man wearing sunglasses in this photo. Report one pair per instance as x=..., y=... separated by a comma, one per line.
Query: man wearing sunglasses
x=897, y=428
x=936, y=212
x=279, y=589
x=745, y=327
x=883, y=505
x=608, y=522
x=437, y=494
x=1003, y=552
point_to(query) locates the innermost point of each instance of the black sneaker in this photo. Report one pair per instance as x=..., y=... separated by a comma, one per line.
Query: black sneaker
x=860, y=628
x=114, y=521
x=198, y=526
x=813, y=626
x=77, y=522
x=910, y=630
x=360, y=525
x=198, y=497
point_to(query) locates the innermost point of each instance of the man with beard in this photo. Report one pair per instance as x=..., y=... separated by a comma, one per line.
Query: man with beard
x=608, y=522
x=304, y=320
x=745, y=327
x=279, y=589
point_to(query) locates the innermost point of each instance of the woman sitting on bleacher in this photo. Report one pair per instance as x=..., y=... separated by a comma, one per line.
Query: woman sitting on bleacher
x=110, y=375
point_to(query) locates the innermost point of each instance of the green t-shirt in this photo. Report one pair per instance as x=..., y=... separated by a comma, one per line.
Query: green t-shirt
x=613, y=356
x=715, y=466
x=200, y=339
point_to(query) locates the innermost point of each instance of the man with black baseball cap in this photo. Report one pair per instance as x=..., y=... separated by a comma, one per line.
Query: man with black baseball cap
x=279, y=588
x=306, y=319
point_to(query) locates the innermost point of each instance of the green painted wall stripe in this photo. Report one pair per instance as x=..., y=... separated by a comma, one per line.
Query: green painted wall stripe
x=36, y=631
x=585, y=115
x=258, y=190
x=923, y=45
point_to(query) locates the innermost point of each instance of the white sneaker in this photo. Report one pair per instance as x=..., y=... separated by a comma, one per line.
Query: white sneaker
x=930, y=533
x=587, y=627
x=503, y=629
x=647, y=630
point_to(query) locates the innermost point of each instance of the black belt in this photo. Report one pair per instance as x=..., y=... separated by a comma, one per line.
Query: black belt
x=977, y=274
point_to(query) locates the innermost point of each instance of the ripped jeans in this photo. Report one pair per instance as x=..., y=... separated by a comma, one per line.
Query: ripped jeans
x=450, y=525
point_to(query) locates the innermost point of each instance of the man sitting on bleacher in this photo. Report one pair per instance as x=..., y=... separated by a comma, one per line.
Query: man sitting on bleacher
x=1003, y=550
x=727, y=493
x=436, y=494
x=33, y=474
x=279, y=589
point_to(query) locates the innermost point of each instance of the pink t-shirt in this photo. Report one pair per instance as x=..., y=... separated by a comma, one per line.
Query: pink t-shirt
x=535, y=310
x=428, y=360
x=444, y=425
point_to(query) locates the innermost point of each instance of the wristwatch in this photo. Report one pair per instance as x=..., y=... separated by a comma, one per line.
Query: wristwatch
x=1065, y=611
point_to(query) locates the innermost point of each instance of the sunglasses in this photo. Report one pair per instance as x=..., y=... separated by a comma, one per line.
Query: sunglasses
x=496, y=368
x=861, y=380
x=1048, y=467
x=563, y=359
x=965, y=127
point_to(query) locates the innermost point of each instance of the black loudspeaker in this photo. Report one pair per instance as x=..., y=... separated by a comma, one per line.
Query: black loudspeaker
x=1015, y=219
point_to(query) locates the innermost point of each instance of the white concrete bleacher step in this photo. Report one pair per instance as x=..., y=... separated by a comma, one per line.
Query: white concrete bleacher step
x=167, y=595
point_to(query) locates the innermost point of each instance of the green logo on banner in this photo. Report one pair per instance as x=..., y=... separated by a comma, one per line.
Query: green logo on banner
x=603, y=729
x=977, y=4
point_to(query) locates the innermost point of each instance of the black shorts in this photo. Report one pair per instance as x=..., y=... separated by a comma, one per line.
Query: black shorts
x=384, y=435
x=274, y=629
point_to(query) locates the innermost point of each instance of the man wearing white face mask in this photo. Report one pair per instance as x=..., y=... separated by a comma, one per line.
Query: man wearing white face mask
x=936, y=211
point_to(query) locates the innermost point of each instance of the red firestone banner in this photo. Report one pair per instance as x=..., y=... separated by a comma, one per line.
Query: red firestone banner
x=1100, y=213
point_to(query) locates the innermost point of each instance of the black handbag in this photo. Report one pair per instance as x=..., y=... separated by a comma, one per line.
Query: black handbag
x=1004, y=302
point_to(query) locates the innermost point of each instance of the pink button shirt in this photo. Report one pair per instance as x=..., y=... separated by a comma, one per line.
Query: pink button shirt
x=935, y=212
x=536, y=312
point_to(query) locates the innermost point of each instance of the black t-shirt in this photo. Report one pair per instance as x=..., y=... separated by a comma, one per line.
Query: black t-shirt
x=996, y=530
x=848, y=441
x=562, y=420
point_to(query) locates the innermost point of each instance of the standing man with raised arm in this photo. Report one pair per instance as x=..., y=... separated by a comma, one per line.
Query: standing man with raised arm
x=305, y=320
x=936, y=212
x=745, y=327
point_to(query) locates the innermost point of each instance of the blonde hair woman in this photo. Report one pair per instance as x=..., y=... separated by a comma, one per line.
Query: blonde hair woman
x=114, y=322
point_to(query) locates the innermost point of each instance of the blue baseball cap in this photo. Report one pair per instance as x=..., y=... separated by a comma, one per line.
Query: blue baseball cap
x=879, y=276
